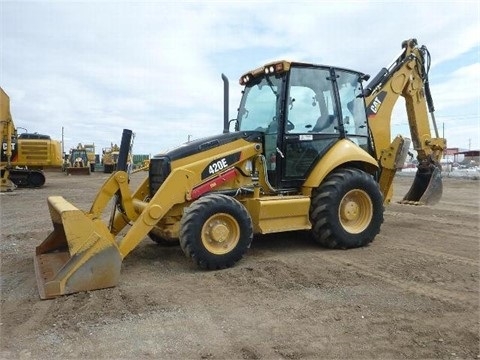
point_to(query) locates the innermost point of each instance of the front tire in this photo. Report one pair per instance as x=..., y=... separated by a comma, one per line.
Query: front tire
x=346, y=210
x=216, y=231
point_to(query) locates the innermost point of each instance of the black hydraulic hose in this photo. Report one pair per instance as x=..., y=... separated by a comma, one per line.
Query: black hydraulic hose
x=424, y=66
x=124, y=150
x=431, y=108
x=428, y=95
x=426, y=69
x=377, y=80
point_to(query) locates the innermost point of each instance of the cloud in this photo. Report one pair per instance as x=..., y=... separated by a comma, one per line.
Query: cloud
x=95, y=68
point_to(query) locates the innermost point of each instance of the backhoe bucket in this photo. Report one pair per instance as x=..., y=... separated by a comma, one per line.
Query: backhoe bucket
x=427, y=187
x=79, y=255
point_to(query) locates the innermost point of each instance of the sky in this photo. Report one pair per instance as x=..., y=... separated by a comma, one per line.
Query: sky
x=83, y=71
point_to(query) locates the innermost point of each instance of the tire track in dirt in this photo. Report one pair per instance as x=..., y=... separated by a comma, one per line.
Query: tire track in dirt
x=466, y=224
x=39, y=311
x=440, y=243
x=433, y=253
x=409, y=286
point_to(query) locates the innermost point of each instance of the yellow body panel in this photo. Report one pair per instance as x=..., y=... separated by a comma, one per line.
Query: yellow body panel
x=272, y=214
x=41, y=153
x=344, y=151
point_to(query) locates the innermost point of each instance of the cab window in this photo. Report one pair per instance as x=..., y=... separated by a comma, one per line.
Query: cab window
x=311, y=106
x=353, y=106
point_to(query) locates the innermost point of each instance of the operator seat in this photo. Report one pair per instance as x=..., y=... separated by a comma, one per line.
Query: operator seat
x=324, y=122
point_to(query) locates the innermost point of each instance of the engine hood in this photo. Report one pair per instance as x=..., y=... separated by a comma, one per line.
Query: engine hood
x=207, y=143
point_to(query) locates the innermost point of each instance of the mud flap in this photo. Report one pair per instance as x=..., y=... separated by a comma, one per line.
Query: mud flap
x=427, y=187
x=79, y=255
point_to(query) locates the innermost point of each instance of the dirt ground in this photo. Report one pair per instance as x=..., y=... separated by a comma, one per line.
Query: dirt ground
x=413, y=293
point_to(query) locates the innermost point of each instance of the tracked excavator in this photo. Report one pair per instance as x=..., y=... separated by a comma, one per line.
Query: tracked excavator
x=23, y=156
x=310, y=149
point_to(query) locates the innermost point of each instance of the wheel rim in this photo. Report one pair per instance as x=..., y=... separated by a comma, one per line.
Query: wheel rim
x=355, y=211
x=220, y=234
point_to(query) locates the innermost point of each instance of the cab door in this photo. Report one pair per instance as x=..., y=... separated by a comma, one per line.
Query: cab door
x=311, y=122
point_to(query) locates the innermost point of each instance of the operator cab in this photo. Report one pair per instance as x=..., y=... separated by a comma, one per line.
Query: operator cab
x=303, y=110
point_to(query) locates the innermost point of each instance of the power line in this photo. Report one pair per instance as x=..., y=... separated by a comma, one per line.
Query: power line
x=472, y=116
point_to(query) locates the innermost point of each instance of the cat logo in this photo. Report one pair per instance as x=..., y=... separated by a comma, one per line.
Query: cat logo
x=375, y=105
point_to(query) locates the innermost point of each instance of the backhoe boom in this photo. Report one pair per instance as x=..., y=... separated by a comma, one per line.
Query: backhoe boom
x=407, y=77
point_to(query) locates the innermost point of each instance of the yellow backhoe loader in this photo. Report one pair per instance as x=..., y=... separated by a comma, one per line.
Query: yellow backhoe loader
x=78, y=163
x=309, y=150
x=24, y=156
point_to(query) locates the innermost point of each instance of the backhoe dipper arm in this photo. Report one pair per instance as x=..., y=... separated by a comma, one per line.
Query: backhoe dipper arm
x=407, y=76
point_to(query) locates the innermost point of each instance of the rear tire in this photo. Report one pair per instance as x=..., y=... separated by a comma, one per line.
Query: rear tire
x=216, y=231
x=346, y=210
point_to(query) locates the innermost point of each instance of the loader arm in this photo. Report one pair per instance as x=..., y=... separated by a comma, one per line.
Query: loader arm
x=406, y=77
x=84, y=252
x=178, y=185
x=116, y=185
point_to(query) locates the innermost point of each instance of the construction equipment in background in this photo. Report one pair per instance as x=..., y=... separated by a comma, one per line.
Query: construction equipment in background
x=79, y=163
x=90, y=149
x=310, y=150
x=110, y=158
x=139, y=159
x=144, y=166
x=24, y=156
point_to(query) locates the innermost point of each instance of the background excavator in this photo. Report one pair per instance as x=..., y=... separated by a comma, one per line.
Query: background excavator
x=309, y=150
x=24, y=156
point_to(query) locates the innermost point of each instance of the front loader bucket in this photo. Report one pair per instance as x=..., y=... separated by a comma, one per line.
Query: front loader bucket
x=78, y=170
x=79, y=255
x=427, y=187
